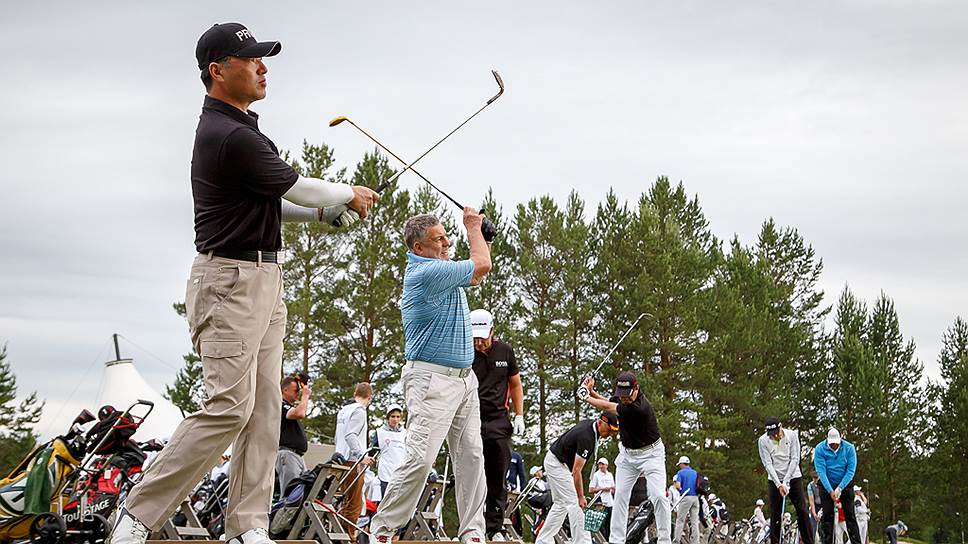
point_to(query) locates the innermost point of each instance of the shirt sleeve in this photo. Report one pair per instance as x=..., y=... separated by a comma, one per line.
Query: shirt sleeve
x=767, y=461
x=820, y=465
x=354, y=439
x=249, y=157
x=791, y=469
x=585, y=446
x=851, y=467
x=439, y=277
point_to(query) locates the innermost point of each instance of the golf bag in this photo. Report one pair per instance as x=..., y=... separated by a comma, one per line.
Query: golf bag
x=639, y=523
x=68, y=485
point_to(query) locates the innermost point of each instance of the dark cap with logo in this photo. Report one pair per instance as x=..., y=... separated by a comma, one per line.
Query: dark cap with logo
x=611, y=419
x=625, y=383
x=231, y=39
x=772, y=426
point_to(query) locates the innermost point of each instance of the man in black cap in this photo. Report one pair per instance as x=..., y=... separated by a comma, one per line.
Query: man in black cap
x=780, y=453
x=235, y=311
x=640, y=453
x=563, y=465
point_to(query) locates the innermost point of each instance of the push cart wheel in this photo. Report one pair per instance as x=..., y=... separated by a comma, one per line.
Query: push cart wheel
x=47, y=528
x=95, y=530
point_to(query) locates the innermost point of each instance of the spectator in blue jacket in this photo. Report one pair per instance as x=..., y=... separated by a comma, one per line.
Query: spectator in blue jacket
x=835, y=461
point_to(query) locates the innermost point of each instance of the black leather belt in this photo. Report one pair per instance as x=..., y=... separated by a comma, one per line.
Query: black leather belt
x=242, y=255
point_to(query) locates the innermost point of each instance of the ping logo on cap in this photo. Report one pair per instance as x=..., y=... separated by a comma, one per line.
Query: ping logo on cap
x=243, y=34
x=624, y=383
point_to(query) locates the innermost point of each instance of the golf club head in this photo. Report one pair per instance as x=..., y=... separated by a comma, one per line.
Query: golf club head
x=338, y=120
x=500, y=83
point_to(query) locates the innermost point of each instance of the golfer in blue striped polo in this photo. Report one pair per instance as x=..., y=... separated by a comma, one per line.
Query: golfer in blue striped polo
x=439, y=384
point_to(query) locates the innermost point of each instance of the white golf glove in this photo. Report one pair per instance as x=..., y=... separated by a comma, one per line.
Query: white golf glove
x=347, y=216
x=518, y=425
x=837, y=492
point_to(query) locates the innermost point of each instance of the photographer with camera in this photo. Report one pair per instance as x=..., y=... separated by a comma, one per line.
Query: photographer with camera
x=292, y=437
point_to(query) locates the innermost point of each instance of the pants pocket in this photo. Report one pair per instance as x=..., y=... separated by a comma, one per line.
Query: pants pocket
x=215, y=354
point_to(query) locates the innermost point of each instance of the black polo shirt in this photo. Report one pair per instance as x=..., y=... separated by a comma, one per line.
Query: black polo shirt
x=238, y=180
x=637, y=426
x=493, y=369
x=580, y=441
x=292, y=435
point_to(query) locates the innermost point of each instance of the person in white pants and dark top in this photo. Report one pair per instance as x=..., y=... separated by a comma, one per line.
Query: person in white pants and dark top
x=563, y=465
x=640, y=452
x=780, y=453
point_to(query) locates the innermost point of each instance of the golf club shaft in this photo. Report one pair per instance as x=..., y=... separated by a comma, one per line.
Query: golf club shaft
x=617, y=344
x=395, y=156
x=424, y=154
x=486, y=104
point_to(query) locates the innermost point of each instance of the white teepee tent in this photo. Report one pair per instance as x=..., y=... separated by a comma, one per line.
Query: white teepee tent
x=123, y=385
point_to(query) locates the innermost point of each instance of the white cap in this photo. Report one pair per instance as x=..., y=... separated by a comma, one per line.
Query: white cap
x=684, y=460
x=534, y=470
x=394, y=407
x=481, y=323
x=712, y=496
x=603, y=461
x=759, y=502
x=857, y=488
x=833, y=436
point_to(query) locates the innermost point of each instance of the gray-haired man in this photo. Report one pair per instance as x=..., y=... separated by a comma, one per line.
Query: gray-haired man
x=439, y=385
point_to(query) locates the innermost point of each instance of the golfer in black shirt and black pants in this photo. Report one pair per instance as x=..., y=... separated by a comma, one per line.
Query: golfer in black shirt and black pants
x=640, y=453
x=563, y=464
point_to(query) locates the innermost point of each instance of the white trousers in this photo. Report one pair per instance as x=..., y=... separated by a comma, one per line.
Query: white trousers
x=629, y=465
x=438, y=407
x=565, y=503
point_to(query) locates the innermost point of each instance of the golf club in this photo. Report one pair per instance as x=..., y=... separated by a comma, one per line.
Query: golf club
x=782, y=510
x=386, y=183
x=487, y=227
x=582, y=390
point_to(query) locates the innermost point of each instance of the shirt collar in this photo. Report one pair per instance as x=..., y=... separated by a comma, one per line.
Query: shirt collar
x=414, y=258
x=250, y=117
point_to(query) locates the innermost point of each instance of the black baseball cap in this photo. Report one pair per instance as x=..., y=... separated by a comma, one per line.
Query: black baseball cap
x=772, y=426
x=625, y=383
x=611, y=419
x=225, y=39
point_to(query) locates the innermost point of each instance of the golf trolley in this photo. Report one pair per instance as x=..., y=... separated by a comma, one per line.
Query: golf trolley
x=62, y=490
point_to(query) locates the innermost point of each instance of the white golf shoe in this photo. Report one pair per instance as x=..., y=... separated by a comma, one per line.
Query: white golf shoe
x=253, y=536
x=127, y=529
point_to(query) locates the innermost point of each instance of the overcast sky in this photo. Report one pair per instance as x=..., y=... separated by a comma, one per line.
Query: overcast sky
x=846, y=120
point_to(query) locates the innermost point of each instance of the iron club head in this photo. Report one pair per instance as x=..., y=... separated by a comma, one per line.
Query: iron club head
x=500, y=84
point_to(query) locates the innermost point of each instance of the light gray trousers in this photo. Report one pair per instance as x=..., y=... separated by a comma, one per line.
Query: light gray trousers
x=438, y=407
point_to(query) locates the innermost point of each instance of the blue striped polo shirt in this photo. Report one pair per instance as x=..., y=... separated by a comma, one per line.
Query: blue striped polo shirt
x=436, y=321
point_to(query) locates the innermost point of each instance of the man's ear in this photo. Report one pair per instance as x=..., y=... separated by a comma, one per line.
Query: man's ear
x=215, y=71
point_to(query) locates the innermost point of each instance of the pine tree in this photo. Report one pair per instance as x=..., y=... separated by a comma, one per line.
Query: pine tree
x=17, y=419
x=315, y=254
x=188, y=390
x=538, y=270
x=950, y=433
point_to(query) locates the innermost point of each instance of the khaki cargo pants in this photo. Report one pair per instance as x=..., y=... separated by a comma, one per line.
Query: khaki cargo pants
x=237, y=321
